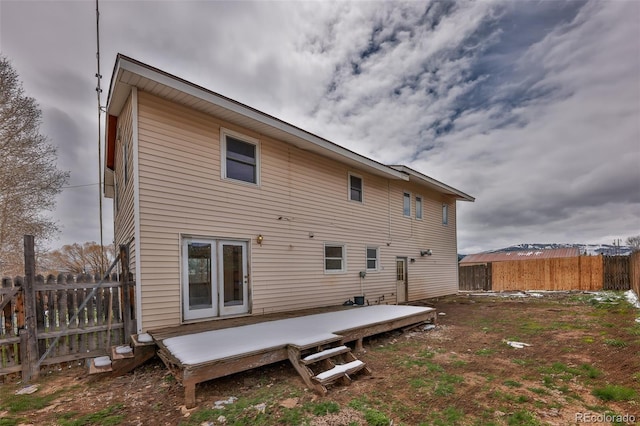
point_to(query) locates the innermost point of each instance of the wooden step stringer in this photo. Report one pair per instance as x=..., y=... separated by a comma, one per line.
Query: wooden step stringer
x=337, y=359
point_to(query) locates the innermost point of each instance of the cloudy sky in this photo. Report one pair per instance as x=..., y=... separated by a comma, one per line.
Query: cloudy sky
x=533, y=107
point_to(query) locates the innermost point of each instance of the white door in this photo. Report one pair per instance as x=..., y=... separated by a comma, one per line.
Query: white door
x=199, y=289
x=215, y=278
x=233, y=277
x=401, y=279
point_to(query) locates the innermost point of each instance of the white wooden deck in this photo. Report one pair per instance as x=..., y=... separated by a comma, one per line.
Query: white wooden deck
x=205, y=355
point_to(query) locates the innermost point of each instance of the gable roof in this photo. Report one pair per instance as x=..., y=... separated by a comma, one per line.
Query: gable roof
x=128, y=73
x=520, y=255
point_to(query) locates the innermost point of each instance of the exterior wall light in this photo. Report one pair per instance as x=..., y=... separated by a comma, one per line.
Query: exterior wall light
x=260, y=239
x=427, y=252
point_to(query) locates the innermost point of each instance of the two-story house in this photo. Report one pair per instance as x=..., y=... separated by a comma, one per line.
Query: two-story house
x=230, y=211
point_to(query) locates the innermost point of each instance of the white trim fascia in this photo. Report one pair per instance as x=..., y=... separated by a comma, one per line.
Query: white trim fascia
x=173, y=82
x=434, y=183
x=136, y=205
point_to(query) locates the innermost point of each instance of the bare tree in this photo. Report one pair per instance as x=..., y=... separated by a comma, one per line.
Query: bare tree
x=29, y=177
x=80, y=259
x=634, y=242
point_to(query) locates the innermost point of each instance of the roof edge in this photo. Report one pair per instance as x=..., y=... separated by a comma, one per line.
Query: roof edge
x=124, y=62
x=434, y=183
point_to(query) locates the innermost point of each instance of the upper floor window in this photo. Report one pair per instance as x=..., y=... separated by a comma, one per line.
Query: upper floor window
x=372, y=258
x=334, y=258
x=355, y=188
x=406, y=204
x=241, y=157
x=445, y=214
x=418, y=207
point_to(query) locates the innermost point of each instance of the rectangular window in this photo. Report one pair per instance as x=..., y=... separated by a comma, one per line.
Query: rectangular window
x=418, y=207
x=406, y=207
x=445, y=214
x=355, y=188
x=372, y=258
x=241, y=158
x=334, y=256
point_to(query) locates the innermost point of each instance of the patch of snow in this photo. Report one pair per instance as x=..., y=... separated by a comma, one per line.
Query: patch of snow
x=323, y=353
x=339, y=369
x=102, y=361
x=517, y=345
x=145, y=338
x=124, y=349
x=428, y=327
x=536, y=295
x=218, y=405
x=28, y=390
x=632, y=298
x=260, y=407
x=301, y=331
x=442, y=314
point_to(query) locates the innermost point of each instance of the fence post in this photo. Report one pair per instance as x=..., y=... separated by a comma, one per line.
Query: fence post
x=126, y=297
x=30, y=338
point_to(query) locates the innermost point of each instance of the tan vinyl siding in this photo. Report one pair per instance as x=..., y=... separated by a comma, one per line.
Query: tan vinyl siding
x=123, y=209
x=182, y=193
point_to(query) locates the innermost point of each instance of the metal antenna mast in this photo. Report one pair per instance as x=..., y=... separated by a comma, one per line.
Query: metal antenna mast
x=99, y=93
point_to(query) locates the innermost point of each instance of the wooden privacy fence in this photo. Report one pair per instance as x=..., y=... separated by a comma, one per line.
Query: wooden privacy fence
x=475, y=277
x=590, y=273
x=106, y=320
x=570, y=273
x=634, y=272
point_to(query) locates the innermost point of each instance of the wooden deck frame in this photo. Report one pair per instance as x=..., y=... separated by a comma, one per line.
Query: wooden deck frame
x=190, y=375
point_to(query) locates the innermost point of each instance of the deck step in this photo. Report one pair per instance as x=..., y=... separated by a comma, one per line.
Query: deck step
x=339, y=371
x=101, y=364
x=121, y=352
x=327, y=353
x=143, y=339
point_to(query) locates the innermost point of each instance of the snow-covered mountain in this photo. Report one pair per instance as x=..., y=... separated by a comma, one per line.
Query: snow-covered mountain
x=589, y=249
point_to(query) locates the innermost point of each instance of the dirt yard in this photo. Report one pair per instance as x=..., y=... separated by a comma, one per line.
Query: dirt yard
x=582, y=365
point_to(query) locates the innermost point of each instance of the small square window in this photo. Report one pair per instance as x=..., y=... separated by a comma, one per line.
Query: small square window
x=334, y=256
x=241, y=158
x=445, y=214
x=355, y=188
x=406, y=206
x=372, y=259
x=418, y=207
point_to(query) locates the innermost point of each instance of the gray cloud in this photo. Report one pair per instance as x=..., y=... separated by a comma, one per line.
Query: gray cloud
x=534, y=107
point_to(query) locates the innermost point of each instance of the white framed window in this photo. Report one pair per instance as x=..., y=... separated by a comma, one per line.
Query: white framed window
x=445, y=214
x=373, y=258
x=240, y=157
x=419, y=207
x=356, y=190
x=334, y=258
x=406, y=204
